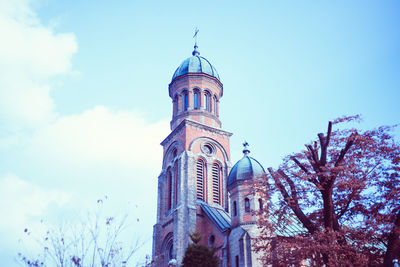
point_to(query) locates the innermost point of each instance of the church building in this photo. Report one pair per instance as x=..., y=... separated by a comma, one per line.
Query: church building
x=198, y=189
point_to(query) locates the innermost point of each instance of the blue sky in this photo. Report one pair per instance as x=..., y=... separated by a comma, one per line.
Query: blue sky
x=84, y=91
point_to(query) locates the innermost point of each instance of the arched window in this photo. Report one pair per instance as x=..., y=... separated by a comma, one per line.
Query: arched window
x=175, y=183
x=207, y=101
x=246, y=205
x=176, y=104
x=200, y=179
x=169, y=189
x=171, y=251
x=168, y=247
x=215, y=104
x=234, y=208
x=216, y=183
x=196, y=99
x=260, y=204
x=185, y=100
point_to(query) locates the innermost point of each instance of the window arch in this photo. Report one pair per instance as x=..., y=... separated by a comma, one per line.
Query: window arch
x=234, y=208
x=200, y=178
x=246, y=205
x=169, y=188
x=196, y=99
x=207, y=101
x=216, y=174
x=168, y=247
x=185, y=101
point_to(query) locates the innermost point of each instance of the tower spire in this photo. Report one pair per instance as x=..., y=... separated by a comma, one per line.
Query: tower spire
x=195, y=51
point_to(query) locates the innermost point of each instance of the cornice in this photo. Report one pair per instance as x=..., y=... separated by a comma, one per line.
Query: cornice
x=195, y=76
x=187, y=122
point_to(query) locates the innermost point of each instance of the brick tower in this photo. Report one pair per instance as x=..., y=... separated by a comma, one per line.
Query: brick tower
x=192, y=193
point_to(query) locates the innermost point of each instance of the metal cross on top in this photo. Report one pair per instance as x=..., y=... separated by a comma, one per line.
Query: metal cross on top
x=245, y=144
x=245, y=148
x=195, y=35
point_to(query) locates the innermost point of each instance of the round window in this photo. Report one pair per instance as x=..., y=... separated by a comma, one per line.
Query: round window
x=208, y=149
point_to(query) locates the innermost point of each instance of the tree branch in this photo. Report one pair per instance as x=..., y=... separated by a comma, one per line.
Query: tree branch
x=350, y=142
x=301, y=166
x=343, y=211
x=291, y=185
x=324, y=141
x=293, y=203
x=313, y=154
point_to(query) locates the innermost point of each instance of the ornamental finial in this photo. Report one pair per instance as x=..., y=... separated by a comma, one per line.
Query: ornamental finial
x=195, y=51
x=245, y=148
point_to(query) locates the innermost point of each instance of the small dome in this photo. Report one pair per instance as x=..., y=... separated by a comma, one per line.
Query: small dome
x=245, y=169
x=195, y=64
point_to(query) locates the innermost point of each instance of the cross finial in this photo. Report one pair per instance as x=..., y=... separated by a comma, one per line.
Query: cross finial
x=245, y=148
x=195, y=51
x=195, y=35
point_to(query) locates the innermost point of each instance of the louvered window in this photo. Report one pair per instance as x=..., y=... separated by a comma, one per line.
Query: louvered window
x=200, y=179
x=215, y=183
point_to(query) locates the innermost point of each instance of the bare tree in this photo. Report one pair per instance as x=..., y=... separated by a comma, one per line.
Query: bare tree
x=96, y=240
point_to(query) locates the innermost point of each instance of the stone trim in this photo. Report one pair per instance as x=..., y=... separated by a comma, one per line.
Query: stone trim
x=195, y=112
x=248, y=223
x=243, y=223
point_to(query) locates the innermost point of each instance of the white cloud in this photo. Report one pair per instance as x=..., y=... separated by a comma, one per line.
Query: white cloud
x=100, y=136
x=21, y=200
x=81, y=156
x=30, y=53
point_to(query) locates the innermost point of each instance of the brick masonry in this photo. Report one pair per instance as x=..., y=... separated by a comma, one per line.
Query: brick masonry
x=192, y=130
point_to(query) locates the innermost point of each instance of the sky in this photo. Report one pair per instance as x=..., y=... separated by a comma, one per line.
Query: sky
x=84, y=98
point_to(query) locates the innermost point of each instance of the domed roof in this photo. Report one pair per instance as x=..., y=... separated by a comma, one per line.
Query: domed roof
x=245, y=169
x=195, y=64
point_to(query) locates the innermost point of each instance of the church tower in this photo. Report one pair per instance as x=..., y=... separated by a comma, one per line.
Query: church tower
x=192, y=192
x=245, y=203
